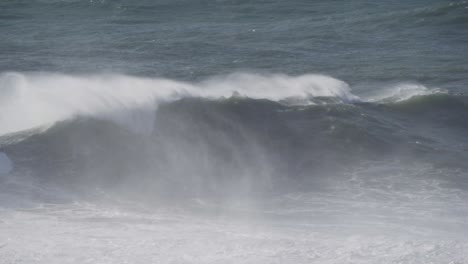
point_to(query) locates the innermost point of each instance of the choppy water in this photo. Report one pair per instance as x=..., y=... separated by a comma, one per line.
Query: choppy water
x=233, y=131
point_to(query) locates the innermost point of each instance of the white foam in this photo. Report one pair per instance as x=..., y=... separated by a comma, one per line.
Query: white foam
x=75, y=234
x=5, y=164
x=38, y=99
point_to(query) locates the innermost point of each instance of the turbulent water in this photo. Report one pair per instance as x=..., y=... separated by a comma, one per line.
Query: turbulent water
x=233, y=131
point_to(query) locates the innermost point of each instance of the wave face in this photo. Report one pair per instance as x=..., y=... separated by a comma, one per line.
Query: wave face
x=242, y=133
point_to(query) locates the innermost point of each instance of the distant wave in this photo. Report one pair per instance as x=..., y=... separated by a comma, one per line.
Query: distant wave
x=401, y=92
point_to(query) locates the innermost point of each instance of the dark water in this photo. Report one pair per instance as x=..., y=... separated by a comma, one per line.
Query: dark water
x=345, y=120
x=358, y=42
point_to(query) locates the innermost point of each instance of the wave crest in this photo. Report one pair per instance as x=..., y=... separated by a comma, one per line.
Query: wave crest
x=39, y=99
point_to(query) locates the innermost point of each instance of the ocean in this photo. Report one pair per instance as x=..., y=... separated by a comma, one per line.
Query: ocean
x=233, y=131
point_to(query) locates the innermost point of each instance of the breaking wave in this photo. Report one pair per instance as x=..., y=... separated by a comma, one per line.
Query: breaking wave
x=241, y=134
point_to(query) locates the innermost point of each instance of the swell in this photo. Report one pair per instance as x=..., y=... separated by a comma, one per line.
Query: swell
x=453, y=13
x=450, y=15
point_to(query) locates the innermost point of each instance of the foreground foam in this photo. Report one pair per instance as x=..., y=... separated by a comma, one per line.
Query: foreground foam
x=38, y=99
x=81, y=234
